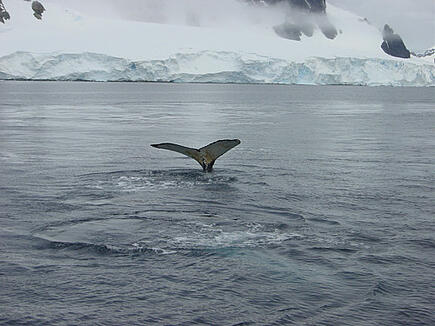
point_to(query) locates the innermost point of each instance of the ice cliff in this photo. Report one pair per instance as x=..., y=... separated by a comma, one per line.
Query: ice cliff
x=217, y=67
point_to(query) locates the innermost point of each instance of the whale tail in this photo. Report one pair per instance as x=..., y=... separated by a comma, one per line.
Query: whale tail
x=205, y=156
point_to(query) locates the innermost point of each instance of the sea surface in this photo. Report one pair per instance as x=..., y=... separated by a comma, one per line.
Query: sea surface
x=323, y=215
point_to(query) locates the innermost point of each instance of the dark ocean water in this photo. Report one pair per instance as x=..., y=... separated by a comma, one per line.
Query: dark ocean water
x=323, y=215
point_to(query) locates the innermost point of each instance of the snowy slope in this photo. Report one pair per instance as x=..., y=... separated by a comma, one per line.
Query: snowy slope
x=69, y=45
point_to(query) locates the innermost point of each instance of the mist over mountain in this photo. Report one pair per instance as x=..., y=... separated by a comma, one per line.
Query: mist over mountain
x=412, y=20
x=301, y=18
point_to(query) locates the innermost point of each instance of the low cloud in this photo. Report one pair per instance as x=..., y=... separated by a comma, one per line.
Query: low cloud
x=413, y=20
x=183, y=12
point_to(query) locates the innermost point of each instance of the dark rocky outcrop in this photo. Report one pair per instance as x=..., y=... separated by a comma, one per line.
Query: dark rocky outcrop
x=4, y=15
x=326, y=27
x=426, y=53
x=38, y=9
x=288, y=31
x=315, y=6
x=393, y=44
x=302, y=17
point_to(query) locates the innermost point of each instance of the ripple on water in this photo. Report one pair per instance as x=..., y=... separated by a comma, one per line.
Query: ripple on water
x=133, y=235
x=146, y=180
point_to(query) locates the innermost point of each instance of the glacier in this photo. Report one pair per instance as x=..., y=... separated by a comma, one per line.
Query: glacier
x=216, y=67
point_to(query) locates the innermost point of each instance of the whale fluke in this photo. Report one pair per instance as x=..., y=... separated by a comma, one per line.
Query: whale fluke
x=205, y=156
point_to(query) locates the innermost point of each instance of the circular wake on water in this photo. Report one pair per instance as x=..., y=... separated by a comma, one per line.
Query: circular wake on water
x=166, y=211
x=132, y=235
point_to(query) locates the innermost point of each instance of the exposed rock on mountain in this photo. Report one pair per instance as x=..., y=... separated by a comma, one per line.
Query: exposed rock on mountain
x=393, y=44
x=326, y=27
x=38, y=9
x=302, y=17
x=426, y=53
x=315, y=6
x=289, y=31
x=4, y=15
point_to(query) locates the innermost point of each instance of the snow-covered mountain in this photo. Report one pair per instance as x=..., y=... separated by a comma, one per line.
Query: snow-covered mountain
x=67, y=45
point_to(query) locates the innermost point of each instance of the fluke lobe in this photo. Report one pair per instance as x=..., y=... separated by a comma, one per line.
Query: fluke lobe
x=205, y=156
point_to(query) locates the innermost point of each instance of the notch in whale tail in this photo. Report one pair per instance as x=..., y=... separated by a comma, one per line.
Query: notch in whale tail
x=205, y=156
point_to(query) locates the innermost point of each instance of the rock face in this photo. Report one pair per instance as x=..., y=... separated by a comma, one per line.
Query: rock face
x=38, y=9
x=317, y=6
x=4, y=15
x=393, y=44
x=302, y=17
x=289, y=31
x=426, y=53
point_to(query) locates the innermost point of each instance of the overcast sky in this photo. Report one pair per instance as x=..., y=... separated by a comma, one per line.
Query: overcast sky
x=413, y=20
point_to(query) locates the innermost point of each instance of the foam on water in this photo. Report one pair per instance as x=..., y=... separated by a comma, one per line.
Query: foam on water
x=144, y=180
x=134, y=234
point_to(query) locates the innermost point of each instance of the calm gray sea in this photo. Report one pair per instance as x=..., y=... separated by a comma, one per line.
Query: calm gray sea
x=323, y=215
